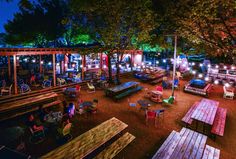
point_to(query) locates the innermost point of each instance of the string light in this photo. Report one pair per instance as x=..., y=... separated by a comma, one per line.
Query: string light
x=200, y=75
x=216, y=82
x=206, y=78
x=41, y=62
x=226, y=85
x=201, y=65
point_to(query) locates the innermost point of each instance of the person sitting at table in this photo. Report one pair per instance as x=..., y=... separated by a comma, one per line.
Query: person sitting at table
x=32, y=124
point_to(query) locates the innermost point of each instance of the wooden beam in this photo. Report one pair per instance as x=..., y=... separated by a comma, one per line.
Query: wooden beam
x=9, y=67
x=15, y=76
x=54, y=69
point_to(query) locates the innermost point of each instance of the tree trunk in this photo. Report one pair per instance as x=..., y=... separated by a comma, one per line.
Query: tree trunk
x=109, y=69
x=117, y=73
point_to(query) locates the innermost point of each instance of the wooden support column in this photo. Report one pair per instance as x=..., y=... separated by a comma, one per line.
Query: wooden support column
x=9, y=67
x=15, y=76
x=101, y=67
x=54, y=69
x=83, y=65
x=40, y=65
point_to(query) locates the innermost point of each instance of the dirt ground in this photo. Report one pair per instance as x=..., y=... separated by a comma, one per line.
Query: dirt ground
x=148, y=138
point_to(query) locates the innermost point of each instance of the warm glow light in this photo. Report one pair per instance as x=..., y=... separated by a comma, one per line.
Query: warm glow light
x=157, y=62
x=164, y=61
x=200, y=64
x=227, y=85
x=225, y=67
x=41, y=62
x=232, y=67
x=194, y=72
x=200, y=75
x=217, y=66
x=193, y=63
x=73, y=65
x=208, y=65
x=81, y=66
x=135, y=65
x=188, y=68
x=142, y=63
x=17, y=57
x=33, y=60
x=216, y=82
x=58, y=64
x=49, y=63
x=25, y=60
x=104, y=66
x=206, y=78
x=65, y=64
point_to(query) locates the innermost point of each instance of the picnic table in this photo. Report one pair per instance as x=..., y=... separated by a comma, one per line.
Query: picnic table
x=27, y=101
x=205, y=111
x=25, y=105
x=89, y=141
x=122, y=87
x=184, y=144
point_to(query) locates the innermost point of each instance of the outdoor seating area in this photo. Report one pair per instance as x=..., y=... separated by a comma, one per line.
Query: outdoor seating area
x=120, y=79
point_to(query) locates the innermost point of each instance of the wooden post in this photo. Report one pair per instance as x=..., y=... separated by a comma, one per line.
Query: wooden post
x=15, y=77
x=40, y=64
x=83, y=65
x=9, y=67
x=54, y=69
x=101, y=67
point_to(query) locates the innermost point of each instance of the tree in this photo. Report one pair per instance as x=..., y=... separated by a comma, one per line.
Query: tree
x=116, y=23
x=208, y=24
x=38, y=22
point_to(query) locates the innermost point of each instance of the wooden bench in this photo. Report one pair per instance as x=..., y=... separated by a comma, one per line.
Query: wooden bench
x=187, y=118
x=128, y=92
x=56, y=102
x=218, y=126
x=211, y=153
x=112, y=150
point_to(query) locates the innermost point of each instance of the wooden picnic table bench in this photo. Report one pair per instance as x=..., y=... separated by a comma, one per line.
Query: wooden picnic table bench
x=185, y=144
x=218, y=126
x=187, y=118
x=116, y=146
x=211, y=153
x=89, y=141
x=56, y=102
x=28, y=101
x=17, y=108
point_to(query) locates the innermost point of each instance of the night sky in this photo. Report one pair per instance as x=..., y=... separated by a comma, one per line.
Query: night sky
x=7, y=11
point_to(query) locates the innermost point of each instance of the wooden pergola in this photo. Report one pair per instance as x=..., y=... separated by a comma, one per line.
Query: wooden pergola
x=46, y=51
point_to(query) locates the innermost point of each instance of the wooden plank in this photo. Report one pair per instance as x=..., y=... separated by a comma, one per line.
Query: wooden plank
x=116, y=147
x=89, y=141
x=52, y=103
x=180, y=148
x=211, y=153
x=219, y=122
x=191, y=146
x=27, y=101
x=174, y=136
x=187, y=118
x=201, y=146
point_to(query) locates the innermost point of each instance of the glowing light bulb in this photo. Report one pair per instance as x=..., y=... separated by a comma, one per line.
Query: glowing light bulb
x=216, y=82
x=200, y=75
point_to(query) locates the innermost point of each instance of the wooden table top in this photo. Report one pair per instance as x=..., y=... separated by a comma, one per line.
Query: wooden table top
x=123, y=86
x=205, y=111
x=185, y=144
x=84, y=144
x=27, y=101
